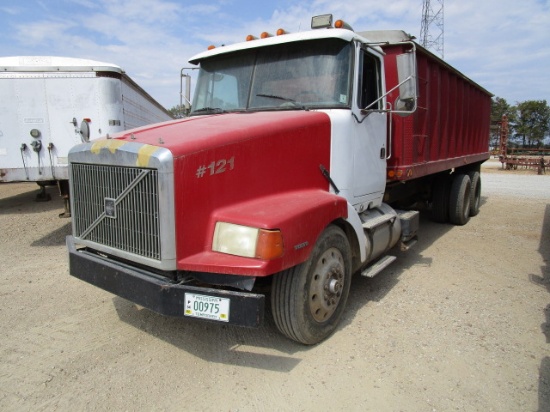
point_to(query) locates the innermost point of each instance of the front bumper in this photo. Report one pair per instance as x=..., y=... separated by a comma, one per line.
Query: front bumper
x=155, y=292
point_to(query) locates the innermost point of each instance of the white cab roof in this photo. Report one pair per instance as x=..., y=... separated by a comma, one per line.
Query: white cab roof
x=343, y=34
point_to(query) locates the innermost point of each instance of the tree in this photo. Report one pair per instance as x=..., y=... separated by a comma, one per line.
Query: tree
x=533, y=122
x=500, y=107
x=178, y=112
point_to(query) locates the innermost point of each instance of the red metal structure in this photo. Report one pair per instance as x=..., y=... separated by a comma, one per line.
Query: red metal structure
x=504, y=135
x=450, y=127
x=512, y=161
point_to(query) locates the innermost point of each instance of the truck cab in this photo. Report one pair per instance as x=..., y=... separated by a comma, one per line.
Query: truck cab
x=333, y=72
x=275, y=187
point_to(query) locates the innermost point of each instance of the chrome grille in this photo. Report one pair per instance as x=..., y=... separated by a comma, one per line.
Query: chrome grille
x=117, y=207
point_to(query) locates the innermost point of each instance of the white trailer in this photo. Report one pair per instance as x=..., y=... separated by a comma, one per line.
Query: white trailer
x=49, y=104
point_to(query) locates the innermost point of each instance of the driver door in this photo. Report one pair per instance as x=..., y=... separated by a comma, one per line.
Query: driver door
x=369, y=131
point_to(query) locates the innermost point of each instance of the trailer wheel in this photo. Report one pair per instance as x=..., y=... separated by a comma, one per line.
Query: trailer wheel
x=308, y=299
x=459, y=201
x=440, y=199
x=475, y=196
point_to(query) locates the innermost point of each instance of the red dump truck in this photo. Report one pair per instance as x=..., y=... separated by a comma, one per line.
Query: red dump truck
x=304, y=161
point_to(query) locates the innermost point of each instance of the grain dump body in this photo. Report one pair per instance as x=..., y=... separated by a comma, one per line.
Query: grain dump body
x=451, y=123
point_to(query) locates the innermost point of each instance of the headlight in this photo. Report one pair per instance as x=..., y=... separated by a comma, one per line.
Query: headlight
x=247, y=241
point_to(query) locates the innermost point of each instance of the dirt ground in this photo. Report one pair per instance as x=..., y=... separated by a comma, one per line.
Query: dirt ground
x=460, y=322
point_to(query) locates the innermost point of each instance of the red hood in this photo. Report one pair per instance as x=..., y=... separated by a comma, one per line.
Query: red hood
x=224, y=162
x=195, y=134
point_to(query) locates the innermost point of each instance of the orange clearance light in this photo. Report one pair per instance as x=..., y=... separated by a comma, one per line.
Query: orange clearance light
x=211, y=47
x=265, y=35
x=280, y=32
x=250, y=37
x=391, y=173
x=341, y=24
x=269, y=244
x=399, y=173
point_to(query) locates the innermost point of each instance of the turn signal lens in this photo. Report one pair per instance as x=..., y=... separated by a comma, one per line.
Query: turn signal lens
x=269, y=245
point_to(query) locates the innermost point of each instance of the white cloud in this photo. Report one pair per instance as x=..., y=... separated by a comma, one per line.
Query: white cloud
x=504, y=41
x=143, y=12
x=43, y=32
x=12, y=11
x=494, y=42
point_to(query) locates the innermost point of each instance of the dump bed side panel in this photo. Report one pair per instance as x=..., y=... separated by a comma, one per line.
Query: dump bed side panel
x=449, y=129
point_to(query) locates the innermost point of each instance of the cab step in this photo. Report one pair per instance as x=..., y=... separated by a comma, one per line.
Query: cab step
x=378, y=266
x=373, y=223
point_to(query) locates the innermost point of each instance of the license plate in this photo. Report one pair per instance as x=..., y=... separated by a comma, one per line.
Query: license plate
x=207, y=307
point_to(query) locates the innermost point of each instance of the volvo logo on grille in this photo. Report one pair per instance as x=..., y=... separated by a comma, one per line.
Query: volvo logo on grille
x=110, y=208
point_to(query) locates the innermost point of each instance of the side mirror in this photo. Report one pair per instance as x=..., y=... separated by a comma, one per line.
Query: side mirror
x=406, y=72
x=185, y=97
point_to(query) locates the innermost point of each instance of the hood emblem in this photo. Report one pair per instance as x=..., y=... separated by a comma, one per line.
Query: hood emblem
x=110, y=207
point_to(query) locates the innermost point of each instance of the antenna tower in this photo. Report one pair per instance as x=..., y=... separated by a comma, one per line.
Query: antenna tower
x=431, y=29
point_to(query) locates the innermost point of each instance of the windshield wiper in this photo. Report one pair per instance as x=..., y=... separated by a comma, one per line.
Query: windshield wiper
x=272, y=96
x=209, y=110
x=286, y=99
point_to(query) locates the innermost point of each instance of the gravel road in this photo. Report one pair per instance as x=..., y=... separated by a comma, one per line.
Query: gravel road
x=460, y=322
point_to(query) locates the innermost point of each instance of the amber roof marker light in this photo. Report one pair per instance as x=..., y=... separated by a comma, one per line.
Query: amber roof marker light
x=341, y=24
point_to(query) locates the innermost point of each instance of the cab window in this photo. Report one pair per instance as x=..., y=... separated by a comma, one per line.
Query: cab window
x=370, y=84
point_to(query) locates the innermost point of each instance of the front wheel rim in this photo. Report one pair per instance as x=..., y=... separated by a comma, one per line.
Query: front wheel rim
x=327, y=285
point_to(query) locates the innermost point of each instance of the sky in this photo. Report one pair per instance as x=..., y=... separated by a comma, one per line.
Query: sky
x=501, y=44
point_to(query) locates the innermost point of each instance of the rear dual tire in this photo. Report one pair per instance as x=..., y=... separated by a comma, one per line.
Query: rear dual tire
x=475, y=197
x=456, y=198
x=459, y=200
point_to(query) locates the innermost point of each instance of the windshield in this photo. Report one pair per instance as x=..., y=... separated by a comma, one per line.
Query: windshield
x=302, y=75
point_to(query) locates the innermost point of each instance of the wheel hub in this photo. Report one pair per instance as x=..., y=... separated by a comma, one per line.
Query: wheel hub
x=335, y=286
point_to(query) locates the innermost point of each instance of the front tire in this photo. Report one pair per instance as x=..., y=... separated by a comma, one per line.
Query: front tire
x=308, y=300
